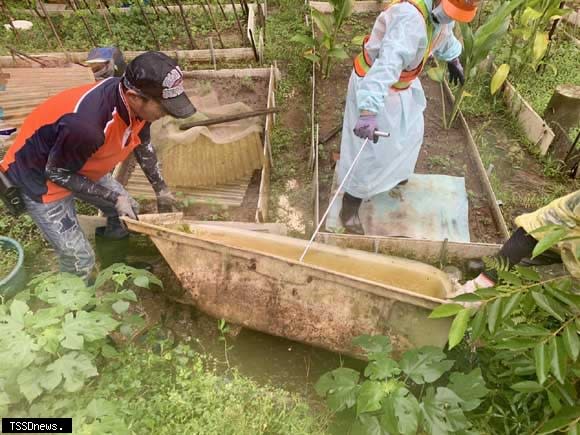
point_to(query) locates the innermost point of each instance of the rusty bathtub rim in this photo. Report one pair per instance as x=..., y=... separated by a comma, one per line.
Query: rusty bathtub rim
x=397, y=293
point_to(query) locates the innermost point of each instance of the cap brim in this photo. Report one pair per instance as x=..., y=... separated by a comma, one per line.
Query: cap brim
x=457, y=14
x=179, y=107
x=98, y=60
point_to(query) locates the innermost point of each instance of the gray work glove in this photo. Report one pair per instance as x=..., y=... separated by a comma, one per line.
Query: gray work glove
x=126, y=207
x=166, y=201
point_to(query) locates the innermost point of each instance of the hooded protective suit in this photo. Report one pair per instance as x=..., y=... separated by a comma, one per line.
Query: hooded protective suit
x=398, y=42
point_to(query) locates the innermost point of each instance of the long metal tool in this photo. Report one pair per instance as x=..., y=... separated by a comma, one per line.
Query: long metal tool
x=377, y=133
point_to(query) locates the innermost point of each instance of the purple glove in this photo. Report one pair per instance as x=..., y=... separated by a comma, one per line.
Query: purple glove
x=366, y=126
x=456, y=71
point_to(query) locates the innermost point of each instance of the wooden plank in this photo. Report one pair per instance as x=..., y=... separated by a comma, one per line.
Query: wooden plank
x=202, y=56
x=264, y=190
x=535, y=128
x=481, y=172
x=173, y=9
x=427, y=251
x=26, y=88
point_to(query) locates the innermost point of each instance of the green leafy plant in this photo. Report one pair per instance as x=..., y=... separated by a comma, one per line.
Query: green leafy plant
x=404, y=397
x=224, y=329
x=326, y=48
x=478, y=44
x=526, y=329
x=52, y=333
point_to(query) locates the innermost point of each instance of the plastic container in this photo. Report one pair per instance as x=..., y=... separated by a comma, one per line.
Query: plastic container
x=15, y=280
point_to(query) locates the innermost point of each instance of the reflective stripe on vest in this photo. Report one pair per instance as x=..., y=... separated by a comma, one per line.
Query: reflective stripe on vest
x=363, y=62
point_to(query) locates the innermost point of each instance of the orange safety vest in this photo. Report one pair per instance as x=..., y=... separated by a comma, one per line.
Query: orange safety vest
x=363, y=62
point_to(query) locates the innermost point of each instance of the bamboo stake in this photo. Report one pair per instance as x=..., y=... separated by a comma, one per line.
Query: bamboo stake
x=52, y=27
x=34, y=10
x=222, y=9
x=106, y=3
x=238, y=20
x=74, y=7
x=10, y=19
x=87, y=6
x=186, y=25
x=155, y=9
x=210, y=13
x=158, y=45
x=107, y=22
x=166, y=7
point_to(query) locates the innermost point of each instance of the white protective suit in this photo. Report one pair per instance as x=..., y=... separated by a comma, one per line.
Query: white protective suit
x=397, y=42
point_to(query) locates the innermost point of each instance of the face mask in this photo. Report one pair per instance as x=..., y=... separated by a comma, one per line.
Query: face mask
x=440, y=15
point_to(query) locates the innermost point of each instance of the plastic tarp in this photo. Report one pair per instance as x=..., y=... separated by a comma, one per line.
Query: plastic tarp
x=431, y=207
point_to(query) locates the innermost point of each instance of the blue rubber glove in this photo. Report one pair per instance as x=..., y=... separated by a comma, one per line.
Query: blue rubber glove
x=456, y=71
x=366, y=126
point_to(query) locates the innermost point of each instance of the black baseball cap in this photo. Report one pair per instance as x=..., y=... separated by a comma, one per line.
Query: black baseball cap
x=157, y=76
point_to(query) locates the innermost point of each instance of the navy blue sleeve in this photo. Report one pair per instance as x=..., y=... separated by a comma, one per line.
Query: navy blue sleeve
x=76, y=141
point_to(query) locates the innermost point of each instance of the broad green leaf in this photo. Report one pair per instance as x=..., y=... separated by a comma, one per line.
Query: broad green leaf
x=511, y=304
x=425, y=365
x=75, y=368
x=548, y=240
x=304, y=39
x=540, y=46
x=515, y=344
x=366, y=425
x=529, y=16
x=469, y=387
x=49, y=339
x=120, y=307
x=29, y=383
x=571, y=341
x=323, y=22
x=382, y=368
x=338, y=53
x=374, y=345
x=312, y=58
x=564, y=418
x=499, y=78
x=554, y=402
x=528, y=273
x=547, y=304
x=86, y=326
x=437, y=74
x=458, y=327
x=527, y=387
x=445, y=310
x=530, y=331
x=467, y=297
x=109, y=351
x=18, y=309
x=509, y=278
x=542, y=361
x=442, y=412
x=558, y=362
x=339, y=388
x=493, y=314
x=369, y=397
x=478, y=324
x=65, y=290
x=141, y=281
x=46, y=317
x=98, y=408
x=17, y=348
x=400, y=412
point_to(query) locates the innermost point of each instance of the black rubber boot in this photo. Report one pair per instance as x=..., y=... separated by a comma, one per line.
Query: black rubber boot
x=349, y=214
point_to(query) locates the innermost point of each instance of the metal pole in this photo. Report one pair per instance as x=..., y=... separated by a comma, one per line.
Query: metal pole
x=377, y=133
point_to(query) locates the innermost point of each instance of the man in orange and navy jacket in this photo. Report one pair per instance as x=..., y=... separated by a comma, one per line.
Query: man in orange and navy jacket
x=68, y=146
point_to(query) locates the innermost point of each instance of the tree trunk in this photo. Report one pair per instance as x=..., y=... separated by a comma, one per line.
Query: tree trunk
x=563, y=114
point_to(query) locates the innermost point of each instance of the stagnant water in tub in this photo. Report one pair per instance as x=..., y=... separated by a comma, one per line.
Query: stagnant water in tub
x=400, y=273
x=266, y=359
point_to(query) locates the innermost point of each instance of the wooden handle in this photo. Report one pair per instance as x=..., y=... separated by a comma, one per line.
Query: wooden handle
x=229, y=118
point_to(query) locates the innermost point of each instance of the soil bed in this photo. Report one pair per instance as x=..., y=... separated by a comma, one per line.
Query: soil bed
x=521, y=180
x=443, y=151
